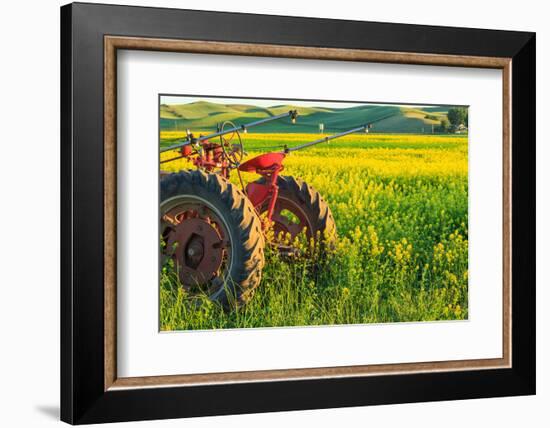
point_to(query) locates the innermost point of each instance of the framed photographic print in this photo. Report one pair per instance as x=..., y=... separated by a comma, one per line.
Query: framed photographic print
x=265, y=213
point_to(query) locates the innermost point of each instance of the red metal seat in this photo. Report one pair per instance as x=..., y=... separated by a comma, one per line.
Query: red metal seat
x=267, y=161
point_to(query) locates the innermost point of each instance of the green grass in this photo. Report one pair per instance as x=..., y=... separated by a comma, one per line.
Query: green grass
x=401, y=209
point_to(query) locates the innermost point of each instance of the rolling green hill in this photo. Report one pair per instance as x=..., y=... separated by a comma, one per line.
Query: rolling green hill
x=204, y=116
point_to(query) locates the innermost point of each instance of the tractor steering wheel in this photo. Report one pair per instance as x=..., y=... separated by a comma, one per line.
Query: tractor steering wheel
x=234, y=153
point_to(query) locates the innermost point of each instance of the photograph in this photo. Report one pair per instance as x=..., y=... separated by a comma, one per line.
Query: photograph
x=293, y=213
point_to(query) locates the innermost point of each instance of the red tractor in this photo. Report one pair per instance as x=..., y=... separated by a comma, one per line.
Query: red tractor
x=213, y=230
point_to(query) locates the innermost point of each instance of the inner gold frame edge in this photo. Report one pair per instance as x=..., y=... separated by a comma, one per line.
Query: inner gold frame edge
x=113, y=43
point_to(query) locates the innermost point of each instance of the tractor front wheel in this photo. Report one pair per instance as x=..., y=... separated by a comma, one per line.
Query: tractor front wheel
x=213, y=234
x=301, y=209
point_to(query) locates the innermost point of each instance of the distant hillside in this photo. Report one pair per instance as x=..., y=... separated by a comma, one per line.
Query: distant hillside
x=204, y=116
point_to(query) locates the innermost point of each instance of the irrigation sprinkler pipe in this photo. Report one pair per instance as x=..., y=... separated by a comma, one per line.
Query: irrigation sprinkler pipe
x=326, y=139
x=190, y=140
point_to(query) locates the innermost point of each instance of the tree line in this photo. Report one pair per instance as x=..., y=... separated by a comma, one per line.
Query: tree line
x=457, y=117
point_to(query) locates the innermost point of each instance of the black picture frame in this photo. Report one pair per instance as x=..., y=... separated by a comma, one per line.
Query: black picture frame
x=83, y=398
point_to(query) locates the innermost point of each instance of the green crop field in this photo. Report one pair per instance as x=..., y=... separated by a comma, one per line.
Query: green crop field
x=387, y=118
x=400, y=204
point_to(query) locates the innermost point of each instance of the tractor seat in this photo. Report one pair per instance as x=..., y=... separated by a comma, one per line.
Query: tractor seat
x=263, y=162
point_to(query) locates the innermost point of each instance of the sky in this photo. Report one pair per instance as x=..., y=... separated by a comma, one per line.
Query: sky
x=259, y=102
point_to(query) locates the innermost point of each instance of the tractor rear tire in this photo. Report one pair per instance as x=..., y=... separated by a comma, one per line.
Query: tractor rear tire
x=230, y=206
x=297, y=195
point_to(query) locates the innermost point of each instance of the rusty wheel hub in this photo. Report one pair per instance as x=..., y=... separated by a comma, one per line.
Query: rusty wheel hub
x=288, y=219
x=282, y=224
x=197, y=246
